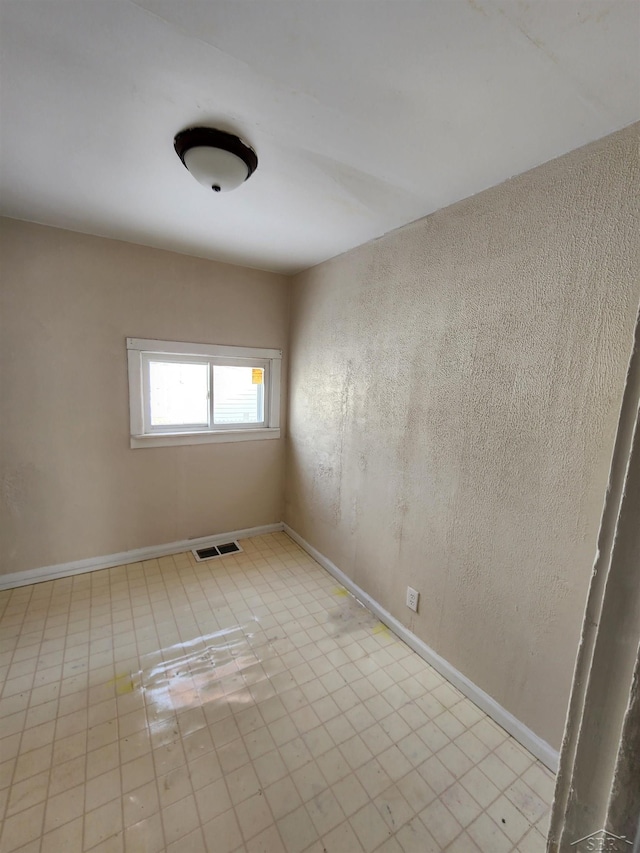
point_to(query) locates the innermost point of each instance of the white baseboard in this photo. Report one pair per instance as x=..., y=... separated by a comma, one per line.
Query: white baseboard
x=529, y=739
x=93, y=564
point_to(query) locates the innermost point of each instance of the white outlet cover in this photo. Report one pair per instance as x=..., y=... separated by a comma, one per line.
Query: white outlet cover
x=413, y=597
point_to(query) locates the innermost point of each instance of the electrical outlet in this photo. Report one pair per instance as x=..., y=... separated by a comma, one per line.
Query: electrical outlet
x=412, y=598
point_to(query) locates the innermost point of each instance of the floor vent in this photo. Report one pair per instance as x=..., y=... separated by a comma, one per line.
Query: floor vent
x=214, y=551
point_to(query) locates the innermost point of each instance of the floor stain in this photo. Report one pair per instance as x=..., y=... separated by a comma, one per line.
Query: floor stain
x=124, y=683
x=350, y=616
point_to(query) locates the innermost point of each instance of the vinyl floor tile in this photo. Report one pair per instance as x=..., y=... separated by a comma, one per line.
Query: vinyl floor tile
x=242, y=705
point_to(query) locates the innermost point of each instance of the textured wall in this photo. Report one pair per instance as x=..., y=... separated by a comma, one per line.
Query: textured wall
x=455, y=388
x=71, y=486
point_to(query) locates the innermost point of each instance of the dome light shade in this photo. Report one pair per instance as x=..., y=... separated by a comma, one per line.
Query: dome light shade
x=218, y=160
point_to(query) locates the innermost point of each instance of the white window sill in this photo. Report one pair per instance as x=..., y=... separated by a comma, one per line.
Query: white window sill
x=174, y=438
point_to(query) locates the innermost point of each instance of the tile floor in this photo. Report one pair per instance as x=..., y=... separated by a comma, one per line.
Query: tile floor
x=244, y=704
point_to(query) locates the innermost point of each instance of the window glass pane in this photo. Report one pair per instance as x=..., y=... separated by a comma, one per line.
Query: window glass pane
x=238, y=395
x=179, y=393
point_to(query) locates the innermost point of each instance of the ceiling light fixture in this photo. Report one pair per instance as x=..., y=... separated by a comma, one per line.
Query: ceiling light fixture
x=218, y=160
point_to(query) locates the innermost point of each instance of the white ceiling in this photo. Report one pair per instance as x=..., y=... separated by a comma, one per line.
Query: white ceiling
x=365, y=114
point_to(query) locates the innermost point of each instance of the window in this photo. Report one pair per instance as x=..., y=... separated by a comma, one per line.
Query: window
x=183, y=393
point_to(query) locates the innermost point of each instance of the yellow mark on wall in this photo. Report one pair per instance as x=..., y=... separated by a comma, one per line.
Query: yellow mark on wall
x=256, y=375
x=340, y=591
x=381, y=628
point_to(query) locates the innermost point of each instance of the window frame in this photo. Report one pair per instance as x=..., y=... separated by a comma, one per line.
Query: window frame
x=140, y=352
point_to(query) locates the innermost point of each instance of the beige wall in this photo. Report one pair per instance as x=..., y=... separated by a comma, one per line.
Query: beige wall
x=455, y=388
x=71, y=486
